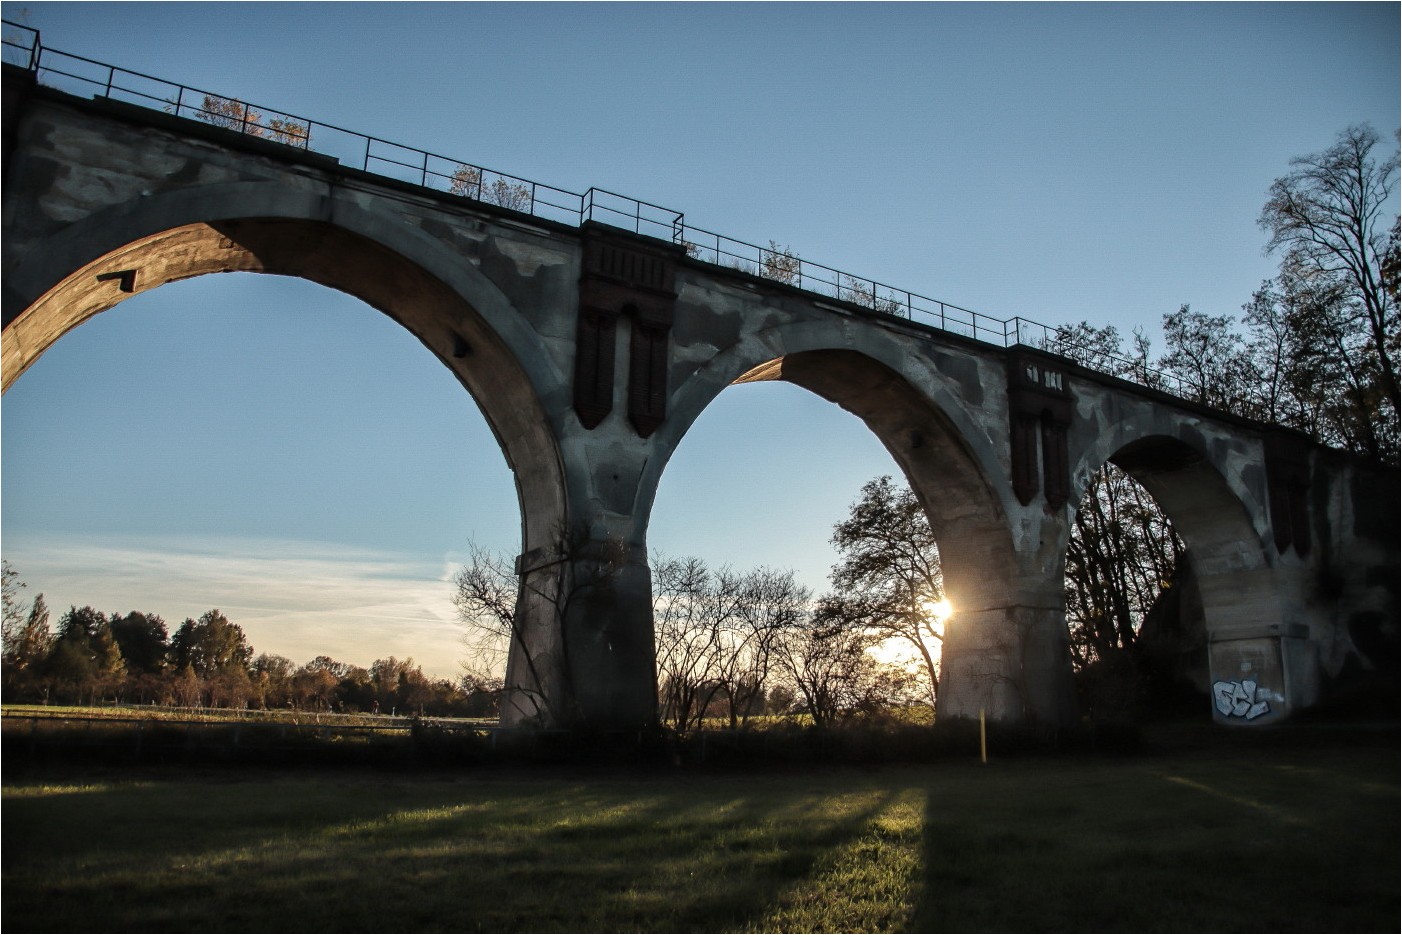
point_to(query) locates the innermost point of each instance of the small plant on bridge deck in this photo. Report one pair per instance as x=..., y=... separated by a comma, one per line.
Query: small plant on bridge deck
x=863, y=292
x=467, y=181
x=233, y=114
x=780, y=264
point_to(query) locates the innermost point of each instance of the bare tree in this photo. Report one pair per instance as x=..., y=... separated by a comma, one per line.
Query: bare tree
x=1101, y=348
x=1333, y=218
x=690, y=611
x=14, y=608
x=716, y=633
x=289, y=131
x=830, y=669
x=1122, y=554
x=772, y=603
x=489, y=598
x=485, y=598
x=229, y=113
x=513, y=195
x=1209, y=361
x=26, y=649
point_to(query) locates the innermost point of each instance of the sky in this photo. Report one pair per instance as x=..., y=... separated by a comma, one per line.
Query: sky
x=291, y=456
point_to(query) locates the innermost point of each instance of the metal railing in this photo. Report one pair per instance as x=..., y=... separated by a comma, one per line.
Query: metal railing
x=80, y=75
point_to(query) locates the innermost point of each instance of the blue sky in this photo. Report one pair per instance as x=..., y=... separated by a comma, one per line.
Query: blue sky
x=291, y=456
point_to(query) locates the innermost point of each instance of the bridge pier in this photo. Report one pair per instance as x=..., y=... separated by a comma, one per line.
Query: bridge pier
x=1008, y=657
x=583, y=653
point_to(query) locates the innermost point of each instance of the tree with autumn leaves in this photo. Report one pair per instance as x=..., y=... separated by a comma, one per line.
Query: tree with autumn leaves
x=94, y=658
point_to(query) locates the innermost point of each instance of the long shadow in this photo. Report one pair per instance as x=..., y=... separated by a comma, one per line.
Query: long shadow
x=362, y=852
x=1102, y=845
x=1041, y=844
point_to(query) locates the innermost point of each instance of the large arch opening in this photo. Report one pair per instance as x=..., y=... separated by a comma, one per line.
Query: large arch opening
x=897, y=430
x=426, y=305
x=1163, y=559
x=316, y=369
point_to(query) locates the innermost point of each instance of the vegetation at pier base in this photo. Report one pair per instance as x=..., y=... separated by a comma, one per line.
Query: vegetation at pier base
x=1252, y=831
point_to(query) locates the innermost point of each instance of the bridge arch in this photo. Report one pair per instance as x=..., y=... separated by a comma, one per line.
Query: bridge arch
x=92, y=265
x=920, y=420
x=1211, y=491
x=1231, y=562
x=927, y=420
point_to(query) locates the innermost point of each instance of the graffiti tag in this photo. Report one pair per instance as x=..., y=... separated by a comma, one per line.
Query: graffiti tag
x=1238, y=699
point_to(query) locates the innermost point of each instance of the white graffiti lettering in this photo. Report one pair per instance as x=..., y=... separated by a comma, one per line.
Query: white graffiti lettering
x=1238, y=699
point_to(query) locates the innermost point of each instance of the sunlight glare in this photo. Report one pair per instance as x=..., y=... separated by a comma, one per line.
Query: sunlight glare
x=940, y=610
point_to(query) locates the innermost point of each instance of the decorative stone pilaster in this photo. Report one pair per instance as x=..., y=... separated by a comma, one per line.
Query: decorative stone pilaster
x=628, y=277
x=1039, y=410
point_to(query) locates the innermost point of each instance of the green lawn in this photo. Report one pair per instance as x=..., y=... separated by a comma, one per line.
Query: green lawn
x=1189, y=836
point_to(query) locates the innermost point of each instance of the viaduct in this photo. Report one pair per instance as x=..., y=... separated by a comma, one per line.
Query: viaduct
x=593, y=330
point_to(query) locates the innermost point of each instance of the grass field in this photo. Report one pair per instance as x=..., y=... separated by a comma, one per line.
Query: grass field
x=1203, y=831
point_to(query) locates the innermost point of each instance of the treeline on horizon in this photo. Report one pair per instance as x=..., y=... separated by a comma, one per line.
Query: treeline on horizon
x=93, y=658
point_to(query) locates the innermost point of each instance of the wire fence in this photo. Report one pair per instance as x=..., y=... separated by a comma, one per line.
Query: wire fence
x=79, y=75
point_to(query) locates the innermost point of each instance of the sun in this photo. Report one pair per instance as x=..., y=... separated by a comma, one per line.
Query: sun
x=939, y=611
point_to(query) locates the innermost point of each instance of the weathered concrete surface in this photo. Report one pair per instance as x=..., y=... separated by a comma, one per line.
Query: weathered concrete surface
x=592, y=351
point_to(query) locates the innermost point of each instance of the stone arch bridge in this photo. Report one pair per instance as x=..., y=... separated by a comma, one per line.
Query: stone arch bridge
x=592, y=348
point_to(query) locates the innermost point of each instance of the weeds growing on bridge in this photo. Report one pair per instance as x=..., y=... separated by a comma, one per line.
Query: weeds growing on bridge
x=1266, y=837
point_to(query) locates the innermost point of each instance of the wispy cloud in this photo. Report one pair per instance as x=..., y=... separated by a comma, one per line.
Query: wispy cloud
x=298, y=599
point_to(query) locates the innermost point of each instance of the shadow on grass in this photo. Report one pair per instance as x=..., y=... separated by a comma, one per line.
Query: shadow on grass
x=362, y=853
x=1250, y=837
x=1219, y=845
